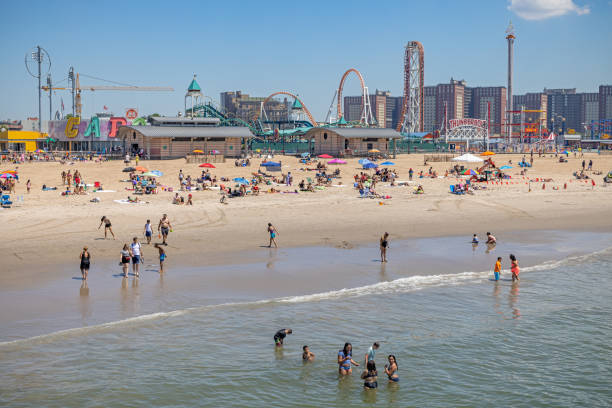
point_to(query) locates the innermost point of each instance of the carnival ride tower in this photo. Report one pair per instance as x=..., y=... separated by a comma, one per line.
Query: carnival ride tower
x=414, y=82
x=193, y=97
x=509, y=117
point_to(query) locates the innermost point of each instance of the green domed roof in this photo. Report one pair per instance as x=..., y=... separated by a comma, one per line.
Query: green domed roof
x=194, y=86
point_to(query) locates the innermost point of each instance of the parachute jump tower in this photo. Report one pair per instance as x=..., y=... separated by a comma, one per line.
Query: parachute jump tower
x=414, y=82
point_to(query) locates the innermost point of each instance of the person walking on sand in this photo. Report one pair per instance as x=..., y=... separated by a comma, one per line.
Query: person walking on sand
x=107, y=226
x=148, y=232
x=85, y=258
x=497, y=268
x=125, y=259
x=345, y=359
x=384, y=244
x=28, y=186
x=514, y=268
x=164, y=226
x=136, y=254
x=162, y=257
x=273, y=233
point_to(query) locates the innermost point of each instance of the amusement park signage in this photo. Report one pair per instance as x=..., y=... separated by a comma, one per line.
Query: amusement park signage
x=453, y=123
x=78, y=129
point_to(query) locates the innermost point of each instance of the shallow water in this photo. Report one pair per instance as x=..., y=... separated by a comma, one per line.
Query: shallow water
x=459, y=338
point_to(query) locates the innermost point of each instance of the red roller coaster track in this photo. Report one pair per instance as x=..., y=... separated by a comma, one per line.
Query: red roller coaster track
x=312, y=120
x=342, y=85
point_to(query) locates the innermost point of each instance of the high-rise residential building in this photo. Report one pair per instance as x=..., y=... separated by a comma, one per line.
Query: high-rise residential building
x=384, y=108
x=468, y=107
x=451, y=96
x=589, y=108
x=242, y=106
x=605, y=102
x=493, y=97
x=563, y=106
x=537, y=101
x=429, y=109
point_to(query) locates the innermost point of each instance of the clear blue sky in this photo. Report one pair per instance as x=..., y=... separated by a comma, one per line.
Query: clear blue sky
x=264, y=46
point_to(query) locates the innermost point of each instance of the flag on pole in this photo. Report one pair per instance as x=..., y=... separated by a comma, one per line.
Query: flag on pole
x=105, y=107
x=62, y=100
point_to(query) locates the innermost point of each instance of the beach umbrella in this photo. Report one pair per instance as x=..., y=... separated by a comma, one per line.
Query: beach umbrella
x=9, y=171
x=7, y=176
x=325, y=156
x=207, y=165
x=364, y=161
x=241, y=180
x=373, y=151
x=470, y=158
x=487, y=153
x=149, y=174
x=336, y=161
x=216, y=152
x=470, y=172
x=270, y=164
x=306, y=154
x=157, y=173
x=198, y=151
x=505, y=167
x=39, y=151
x=140, y=168
x=370, y=165
x=387, y=163
x=128, y=169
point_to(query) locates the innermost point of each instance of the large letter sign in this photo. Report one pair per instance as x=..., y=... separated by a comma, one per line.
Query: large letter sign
x=115, y=123
x=72, y=130
x=93, y=127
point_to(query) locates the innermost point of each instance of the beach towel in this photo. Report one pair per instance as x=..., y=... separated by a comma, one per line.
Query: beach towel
x=124, y=201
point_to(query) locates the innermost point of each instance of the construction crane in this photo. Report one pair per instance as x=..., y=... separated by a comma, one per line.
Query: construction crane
x=76, y=89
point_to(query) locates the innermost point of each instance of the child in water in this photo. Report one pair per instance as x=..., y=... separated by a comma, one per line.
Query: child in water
x=514, y=268
x=497, y=270
x=475, y=239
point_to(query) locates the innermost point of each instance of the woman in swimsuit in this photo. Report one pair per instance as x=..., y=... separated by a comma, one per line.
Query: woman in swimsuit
x=384, y=244
x=125, y=259
x=370, y=376
x=85, y=262
x=273, y=232
x=345, y=359
x=391, y=369
x=107, y=226
x=514, y=268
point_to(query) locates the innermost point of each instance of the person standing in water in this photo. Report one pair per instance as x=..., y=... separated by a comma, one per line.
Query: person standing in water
x=273, y=233
x=125, y=259
x=107, y=226
x=514, y=268
x=384, y=244
x=307, y=355
x=345, y=359
x=136, y=253
x=162, y=257
x=280, y=335
x=148, y=232
x=164, y=226
x=391, y=369
x=371, y=352
x=497, y=269
x=85, y=262
x=370, y=376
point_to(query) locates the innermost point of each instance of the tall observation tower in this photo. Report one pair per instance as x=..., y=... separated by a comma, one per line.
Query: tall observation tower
x=509, y=117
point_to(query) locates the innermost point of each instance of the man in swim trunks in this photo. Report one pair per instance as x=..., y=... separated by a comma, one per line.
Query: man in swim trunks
x=491, y=239
x=280, y=335
x=371, y=353
x=164, y=226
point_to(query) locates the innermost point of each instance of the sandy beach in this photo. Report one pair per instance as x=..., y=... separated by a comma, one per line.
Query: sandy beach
x=44, y=229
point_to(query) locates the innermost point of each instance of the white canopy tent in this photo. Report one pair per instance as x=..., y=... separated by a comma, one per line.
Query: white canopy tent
x=470, y=158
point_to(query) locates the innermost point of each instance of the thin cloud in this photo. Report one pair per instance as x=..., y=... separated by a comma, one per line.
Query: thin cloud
x=543, y=9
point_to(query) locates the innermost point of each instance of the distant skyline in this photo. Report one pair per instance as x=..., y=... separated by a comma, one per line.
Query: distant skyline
x=304, y=48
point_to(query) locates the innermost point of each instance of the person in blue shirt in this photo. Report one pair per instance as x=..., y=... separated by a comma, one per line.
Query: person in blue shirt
x=345, y=359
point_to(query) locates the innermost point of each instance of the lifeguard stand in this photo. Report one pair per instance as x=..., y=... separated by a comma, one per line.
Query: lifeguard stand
x=193, y=98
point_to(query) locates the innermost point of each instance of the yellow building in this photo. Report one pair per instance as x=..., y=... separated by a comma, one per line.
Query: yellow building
x=20, y=140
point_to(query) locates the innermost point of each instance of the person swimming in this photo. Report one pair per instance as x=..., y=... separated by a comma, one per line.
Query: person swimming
x=370, y=376
x=307, y=355
x=391, y=369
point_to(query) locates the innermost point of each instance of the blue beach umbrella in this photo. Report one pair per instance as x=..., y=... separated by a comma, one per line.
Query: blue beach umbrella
x=306, y=154
x=157, y=173
x=364, y=161
x=387, y=163
x=270, y=164
x=370, y=165
x=241, y=180
x=505, y=167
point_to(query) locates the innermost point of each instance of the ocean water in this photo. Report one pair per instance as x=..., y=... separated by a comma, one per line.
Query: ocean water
x=460, y=340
